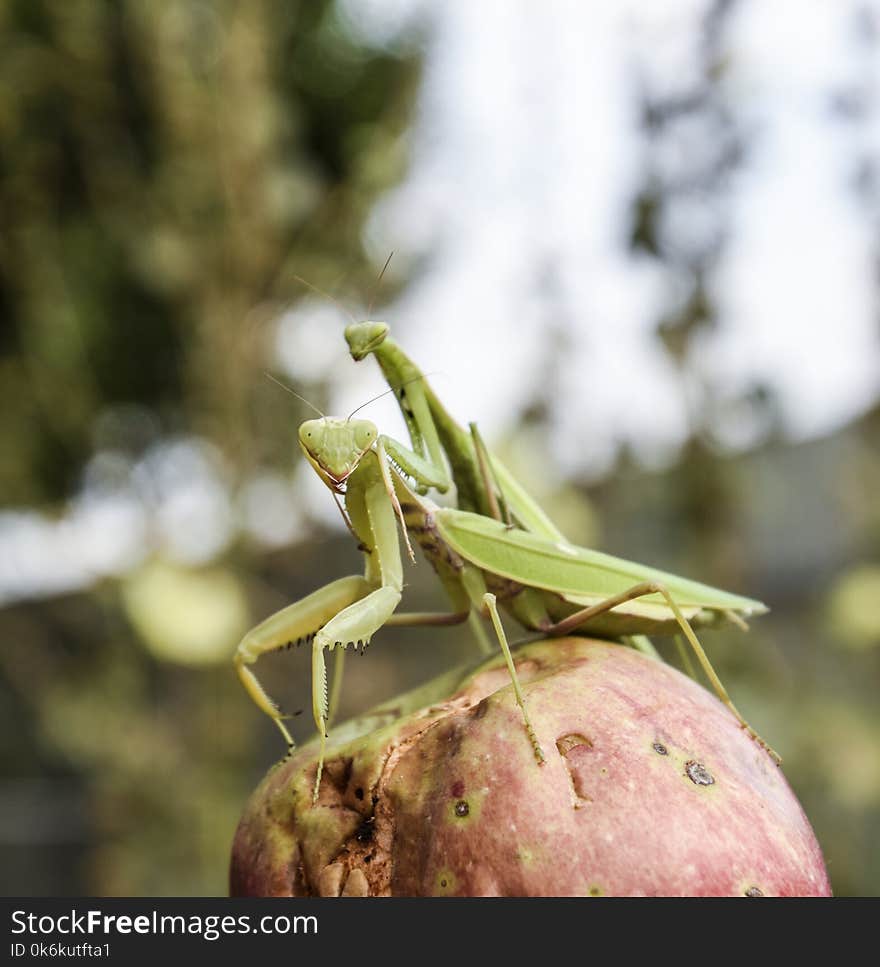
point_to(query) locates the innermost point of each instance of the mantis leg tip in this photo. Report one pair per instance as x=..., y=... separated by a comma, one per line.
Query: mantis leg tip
x=774, y=755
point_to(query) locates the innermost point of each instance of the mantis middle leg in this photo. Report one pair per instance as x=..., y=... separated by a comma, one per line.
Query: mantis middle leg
x=475, y=586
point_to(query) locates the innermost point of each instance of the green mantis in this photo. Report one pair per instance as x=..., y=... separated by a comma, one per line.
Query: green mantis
x=503, y=550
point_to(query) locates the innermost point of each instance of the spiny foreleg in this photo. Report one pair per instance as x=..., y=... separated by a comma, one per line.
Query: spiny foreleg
x=299, y=621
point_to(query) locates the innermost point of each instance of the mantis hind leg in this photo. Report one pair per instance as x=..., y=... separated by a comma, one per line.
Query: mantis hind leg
x=641, y=590
x=686, y=662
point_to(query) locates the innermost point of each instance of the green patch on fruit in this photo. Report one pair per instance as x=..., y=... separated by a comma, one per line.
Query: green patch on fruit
x=445, y=883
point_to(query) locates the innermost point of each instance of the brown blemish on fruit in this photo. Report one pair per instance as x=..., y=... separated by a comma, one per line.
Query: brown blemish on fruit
x=462, y=808
x=595, y=891
x=698, y=774
x=481, y=709
x=455, y=737
x=364, y=832
x=457, y=789
x=338, y=773
x=660, y=748
x=754, y=891
x=573, y=740
x=572, y=747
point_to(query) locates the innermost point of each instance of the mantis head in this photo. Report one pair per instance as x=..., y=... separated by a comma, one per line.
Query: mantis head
x=335, y=447
x=364, y=337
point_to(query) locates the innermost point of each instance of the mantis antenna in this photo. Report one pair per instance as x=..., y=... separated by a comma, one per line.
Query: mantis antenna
x=373, y=400
x=302, y=399
x=336, y=302
x=327, y=295
x=414, y=379
x=376, y=284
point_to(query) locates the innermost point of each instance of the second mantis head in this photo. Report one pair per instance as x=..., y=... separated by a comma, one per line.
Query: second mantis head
x=364, y=337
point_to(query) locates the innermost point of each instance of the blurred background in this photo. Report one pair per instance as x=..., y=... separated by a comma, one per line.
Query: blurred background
x=637, y=242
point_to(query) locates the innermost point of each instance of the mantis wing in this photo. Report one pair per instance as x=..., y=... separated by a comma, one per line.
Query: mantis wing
x=575, y=573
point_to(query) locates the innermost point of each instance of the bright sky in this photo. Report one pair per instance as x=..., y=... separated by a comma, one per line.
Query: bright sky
x=527, y=154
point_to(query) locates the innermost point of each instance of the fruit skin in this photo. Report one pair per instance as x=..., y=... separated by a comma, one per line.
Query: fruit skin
x=650, y=788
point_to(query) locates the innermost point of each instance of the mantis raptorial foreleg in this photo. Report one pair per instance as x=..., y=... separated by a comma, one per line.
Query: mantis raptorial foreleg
x=406, y=619
x=422, y=473
x=425, y=474
x=643, y=589
x=335, y=685
x=296, y=623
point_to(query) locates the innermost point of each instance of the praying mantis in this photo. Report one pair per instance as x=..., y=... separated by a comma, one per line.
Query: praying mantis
x=500, y=549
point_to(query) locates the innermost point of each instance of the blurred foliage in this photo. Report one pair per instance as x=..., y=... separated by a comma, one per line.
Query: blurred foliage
x=167, y=170
x=166, y=167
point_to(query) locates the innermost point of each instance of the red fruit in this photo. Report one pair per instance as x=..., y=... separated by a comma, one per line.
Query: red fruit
x=650, y=788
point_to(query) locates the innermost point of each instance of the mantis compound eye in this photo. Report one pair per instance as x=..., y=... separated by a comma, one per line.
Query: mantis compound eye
x=365, y=435
x=312, y=433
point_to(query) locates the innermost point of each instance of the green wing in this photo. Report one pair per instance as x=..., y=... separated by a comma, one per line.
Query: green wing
x=569, y=570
